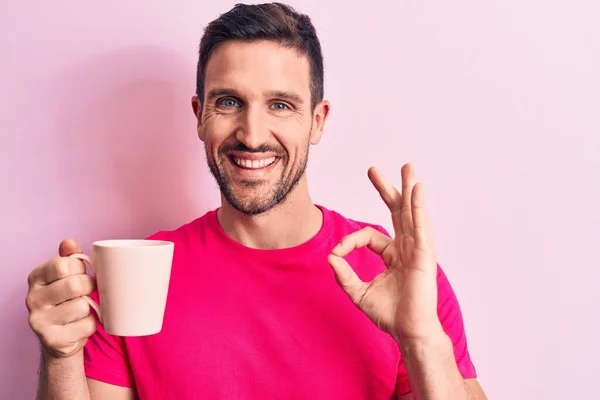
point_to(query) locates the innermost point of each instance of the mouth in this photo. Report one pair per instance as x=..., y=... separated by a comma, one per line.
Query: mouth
x=253, y=163
x=253, y=166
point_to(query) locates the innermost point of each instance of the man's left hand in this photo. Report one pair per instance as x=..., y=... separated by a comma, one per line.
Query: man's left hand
x=402, y=300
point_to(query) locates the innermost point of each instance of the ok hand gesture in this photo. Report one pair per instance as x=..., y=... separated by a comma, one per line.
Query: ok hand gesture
x=402, y=300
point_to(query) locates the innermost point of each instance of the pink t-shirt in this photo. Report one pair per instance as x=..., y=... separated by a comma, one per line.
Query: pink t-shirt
x=243, y=323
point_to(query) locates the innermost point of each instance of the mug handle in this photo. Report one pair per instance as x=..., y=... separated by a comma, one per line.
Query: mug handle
x=92, y=303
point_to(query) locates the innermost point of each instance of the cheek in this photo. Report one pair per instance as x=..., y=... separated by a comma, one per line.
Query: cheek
x=216, y=130
x=295, y=143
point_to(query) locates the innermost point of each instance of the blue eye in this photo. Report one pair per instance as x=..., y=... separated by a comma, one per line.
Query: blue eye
x=228, y=102
x=279, y=106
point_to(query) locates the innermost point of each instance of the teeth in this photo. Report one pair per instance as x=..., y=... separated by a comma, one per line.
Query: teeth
x=254, y=163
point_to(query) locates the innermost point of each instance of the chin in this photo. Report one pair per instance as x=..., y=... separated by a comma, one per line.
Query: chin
x=252, y=200
x=252, y=208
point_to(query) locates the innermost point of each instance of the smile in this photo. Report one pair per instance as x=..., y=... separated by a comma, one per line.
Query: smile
x=253, y=164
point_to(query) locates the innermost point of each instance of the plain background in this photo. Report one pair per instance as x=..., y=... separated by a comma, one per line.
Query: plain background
x=496, y=103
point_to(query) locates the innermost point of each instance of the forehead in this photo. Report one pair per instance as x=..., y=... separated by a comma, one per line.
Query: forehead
x=258, y=67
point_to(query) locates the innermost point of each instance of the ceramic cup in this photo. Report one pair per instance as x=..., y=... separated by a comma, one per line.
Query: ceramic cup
x=132, y=278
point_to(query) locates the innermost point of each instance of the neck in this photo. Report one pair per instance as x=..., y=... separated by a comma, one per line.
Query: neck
x=291, y=223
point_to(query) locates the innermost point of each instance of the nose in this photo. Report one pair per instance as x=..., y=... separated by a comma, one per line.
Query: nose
x=253, y=130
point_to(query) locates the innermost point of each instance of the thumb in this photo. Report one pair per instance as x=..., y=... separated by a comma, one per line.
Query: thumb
x=68, y=247
x=347, y=278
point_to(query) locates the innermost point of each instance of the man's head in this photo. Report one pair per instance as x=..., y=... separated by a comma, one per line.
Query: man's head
x=259, y=102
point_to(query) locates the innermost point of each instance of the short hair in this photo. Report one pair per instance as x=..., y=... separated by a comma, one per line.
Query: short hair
x=276, y=22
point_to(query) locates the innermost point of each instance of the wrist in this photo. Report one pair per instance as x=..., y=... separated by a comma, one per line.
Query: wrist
x=433, y=333
x=62, y=377
x=435, y=345
x=435, y=339
x=51, y=358
x=431, y=366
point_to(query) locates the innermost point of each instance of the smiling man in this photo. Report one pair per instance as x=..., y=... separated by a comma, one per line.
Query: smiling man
x=257, y=122
x=271, y=296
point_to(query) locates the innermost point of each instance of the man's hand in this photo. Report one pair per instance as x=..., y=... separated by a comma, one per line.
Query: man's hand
x=57, y=313
x=403, y=299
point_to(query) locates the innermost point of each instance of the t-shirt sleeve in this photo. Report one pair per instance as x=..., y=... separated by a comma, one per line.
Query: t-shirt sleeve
x=105, y=357
x=450, y=316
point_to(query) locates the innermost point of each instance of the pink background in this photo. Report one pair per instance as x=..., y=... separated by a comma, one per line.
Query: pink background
x=496, y=103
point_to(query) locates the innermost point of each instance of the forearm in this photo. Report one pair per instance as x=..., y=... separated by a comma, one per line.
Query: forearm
x=62, y=378
x=432, y=368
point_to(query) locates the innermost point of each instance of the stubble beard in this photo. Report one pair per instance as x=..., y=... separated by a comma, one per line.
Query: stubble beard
x=255, y=204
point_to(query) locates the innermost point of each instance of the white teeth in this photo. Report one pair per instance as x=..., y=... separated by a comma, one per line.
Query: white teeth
x=254, y=163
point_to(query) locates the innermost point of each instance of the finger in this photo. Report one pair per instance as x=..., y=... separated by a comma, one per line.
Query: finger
x=69, y=311
x=72, y=287
x=82, y=329
x=366, y=237
x=347, y=278
x=390, y=196
x=68, y=247
x=422, y=231
x=66, y=337
x=68, y=288
x=55, y=269
x=408, y=182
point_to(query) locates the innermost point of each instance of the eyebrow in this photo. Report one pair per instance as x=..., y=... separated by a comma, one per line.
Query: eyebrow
x=284, y=95
x=281, y=94
x=219, y=92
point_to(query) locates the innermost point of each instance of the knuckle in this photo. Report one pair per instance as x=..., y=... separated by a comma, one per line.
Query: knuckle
x=31, y=278
x=82, y=307
x=369, y=230
x=74, y=286
x=35, y=299
x=79, y=285
x=89, y=326
x=35, y=322
x=92, y=325
x=76, y=265
x=51, y=340
x=61, y=267
x=30, y=302
x=88, y=284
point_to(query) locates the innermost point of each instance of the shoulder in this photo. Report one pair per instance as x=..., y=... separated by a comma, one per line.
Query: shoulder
x=346, y=225
x=190, y=231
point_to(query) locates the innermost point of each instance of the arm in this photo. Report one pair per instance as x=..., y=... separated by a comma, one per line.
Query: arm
x=440, y=353
x=433, y=371
x=64, y=378
x=403, y=300
x=61, y=319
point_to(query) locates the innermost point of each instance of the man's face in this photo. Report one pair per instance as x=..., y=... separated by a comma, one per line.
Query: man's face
x=257, y=123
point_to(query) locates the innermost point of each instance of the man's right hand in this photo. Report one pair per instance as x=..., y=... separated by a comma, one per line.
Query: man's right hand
x=57, y=313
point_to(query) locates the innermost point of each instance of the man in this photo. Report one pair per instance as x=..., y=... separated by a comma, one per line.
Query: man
x=267, y=297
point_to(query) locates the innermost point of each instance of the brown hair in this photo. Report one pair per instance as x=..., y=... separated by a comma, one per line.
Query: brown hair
x=270, y=21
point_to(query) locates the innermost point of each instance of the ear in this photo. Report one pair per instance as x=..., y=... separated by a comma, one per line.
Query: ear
x=320, y=115
x=197, y=108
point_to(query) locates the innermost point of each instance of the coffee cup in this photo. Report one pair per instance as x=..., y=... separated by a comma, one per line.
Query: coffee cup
x=132, y=278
